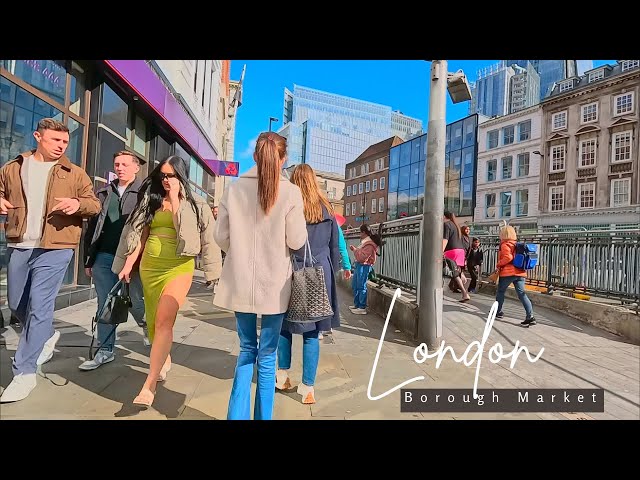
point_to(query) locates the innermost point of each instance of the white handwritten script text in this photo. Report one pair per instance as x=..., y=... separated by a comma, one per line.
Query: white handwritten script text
x=421, y=353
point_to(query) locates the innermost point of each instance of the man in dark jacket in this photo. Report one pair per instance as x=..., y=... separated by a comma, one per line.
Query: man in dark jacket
x=474, y=263
x=118, y=200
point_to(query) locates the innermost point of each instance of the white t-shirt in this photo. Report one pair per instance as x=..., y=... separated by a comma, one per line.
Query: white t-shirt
x=35, y=180
x=121, y=190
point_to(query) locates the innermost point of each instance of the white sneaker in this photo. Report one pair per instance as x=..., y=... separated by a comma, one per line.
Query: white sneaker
x=19, y=388
x=282, y=380
x=307, y=393
x=47, y=351
x=102, y=357
x=359, y=311
x=320, y=336
x=145, y=339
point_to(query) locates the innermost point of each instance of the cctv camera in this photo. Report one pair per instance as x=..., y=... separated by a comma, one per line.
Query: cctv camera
x=458, y=87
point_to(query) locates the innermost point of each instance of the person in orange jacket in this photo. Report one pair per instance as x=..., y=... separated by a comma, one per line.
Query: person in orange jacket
x=509, y=274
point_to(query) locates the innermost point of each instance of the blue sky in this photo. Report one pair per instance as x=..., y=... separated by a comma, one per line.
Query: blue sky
x=401, y=84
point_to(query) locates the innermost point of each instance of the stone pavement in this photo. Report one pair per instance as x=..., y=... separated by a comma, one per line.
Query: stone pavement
x=206, y=346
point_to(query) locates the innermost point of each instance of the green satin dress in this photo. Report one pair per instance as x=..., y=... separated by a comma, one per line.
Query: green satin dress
x=160, y=264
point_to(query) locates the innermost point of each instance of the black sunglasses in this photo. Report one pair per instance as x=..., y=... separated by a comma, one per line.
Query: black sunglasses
x=164, y=176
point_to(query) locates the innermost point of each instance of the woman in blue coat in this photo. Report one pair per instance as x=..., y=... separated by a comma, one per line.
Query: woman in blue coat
x=322, y=231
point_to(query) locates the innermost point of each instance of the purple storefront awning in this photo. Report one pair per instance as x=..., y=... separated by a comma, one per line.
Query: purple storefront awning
x=139, y=76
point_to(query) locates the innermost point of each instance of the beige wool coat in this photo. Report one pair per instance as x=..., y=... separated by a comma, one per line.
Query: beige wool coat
x=256, y=276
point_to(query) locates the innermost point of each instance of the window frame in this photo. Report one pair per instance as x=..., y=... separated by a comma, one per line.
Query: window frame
x=551, y=189
x=564, y=158
x=615, y=104
x=554, y=128
x=613, y=146
x=581, y=152
x=626, y=180
x=580, y=190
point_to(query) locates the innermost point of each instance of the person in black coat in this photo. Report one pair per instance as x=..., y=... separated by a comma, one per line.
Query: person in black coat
x=322, y=230
x=474, y=263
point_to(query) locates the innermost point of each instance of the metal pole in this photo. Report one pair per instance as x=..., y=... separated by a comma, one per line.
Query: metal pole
x=430, y=310
x=270, y=120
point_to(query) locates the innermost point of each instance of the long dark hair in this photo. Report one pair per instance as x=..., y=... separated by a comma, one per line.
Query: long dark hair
x=152, y=187
x=364, y=228
x=452, y=216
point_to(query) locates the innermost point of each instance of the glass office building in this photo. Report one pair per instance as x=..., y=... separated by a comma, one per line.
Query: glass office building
x=327, y=131
x=407, y=168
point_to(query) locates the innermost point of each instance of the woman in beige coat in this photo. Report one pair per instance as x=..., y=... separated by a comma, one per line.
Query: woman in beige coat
x=260, y=218
x=168, y=228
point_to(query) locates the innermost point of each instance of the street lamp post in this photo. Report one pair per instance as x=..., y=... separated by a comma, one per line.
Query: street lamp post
x=430, y=294
x=272, y=119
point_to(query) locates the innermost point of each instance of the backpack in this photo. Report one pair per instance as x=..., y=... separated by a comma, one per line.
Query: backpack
x=526, y=256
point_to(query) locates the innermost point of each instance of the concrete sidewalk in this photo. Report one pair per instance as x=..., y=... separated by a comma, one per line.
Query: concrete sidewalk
x=206, y=347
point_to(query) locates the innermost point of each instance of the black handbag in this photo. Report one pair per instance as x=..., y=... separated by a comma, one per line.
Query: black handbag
x=114, y=311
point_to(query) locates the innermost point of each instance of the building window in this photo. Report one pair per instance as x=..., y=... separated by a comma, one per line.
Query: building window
x=556, y=199
x=524, y=129
x=362, y=206
x=629, y=64
x=522, y=203
x=348, y=190
x=373, y=205
x=347, y=209
x=492, y=139
x=507, y=167
x=587, y=153
x=374, y=185
x=559, y=120
x=367, y=186
x=597, y=75
x=590, y=113
x=586, y=195
x=382, y=183
x=523, y=164
x=353, y=208
x=621, y=147
x=381, y=205
x=621, y=192
x=623, y=103
x=505, y=204
x=557, y=158
x=564, y=86
x=492, y=168
x=508, y=135
x=361, y=187
x=490, y=205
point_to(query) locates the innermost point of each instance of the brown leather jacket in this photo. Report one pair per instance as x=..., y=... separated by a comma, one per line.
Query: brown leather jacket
x=66, y=180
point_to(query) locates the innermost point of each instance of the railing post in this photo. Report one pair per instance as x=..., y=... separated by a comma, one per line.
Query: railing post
x=550, y=268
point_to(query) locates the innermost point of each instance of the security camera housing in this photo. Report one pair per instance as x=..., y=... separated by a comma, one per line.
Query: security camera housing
x=458, y=87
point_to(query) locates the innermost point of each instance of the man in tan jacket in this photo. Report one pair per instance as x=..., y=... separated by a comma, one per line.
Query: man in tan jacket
x=45, y=198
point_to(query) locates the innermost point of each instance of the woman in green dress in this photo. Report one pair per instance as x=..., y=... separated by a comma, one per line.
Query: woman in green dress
x=170, y=227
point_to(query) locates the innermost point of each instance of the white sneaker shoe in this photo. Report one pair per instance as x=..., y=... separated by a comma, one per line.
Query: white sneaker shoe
x=307, y=393
x=19, y=388
x=359, y=311
x=47, y=351
x=282, y=380
x=145, y=339
x=102, y=357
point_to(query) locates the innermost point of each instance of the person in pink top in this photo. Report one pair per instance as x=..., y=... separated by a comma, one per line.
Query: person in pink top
x=366, y=255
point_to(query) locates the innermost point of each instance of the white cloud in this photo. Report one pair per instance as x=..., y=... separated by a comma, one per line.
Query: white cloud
x=248, y=152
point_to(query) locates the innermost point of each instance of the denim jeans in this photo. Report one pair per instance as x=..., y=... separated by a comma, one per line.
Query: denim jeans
x=310, y=354
x=264, y=354
x=359, y=285
x=104, y=280
x=518, y=283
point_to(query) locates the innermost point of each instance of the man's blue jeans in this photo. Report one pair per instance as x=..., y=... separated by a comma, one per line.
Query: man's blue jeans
x=310, y=354
x=359, y=285
x=518, y=283
x=251, y=353
x=104, y=280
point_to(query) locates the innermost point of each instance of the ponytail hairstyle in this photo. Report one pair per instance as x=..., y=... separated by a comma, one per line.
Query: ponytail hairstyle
x=452, y=217
x=271, y=150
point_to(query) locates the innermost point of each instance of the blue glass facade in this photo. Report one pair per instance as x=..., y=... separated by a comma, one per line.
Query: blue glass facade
x=407, y=163
x=327, y=131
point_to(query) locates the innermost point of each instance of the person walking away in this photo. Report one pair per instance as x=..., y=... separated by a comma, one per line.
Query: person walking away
x=170, y=226
x=453, y=250
x=322, y=232
x=474, y=263
x=118, y=199
x=509, y=274
x=260, y=220
x=366, y=255
x=45, y=198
